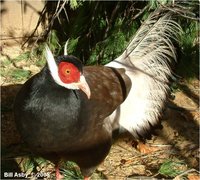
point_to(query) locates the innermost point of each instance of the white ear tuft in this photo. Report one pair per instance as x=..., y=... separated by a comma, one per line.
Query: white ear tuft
x=48, y=54
x=52, y=64
x=65, y=48
x=51, y=61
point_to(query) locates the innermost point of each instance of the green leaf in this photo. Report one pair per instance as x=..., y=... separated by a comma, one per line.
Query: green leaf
x=155, y=3
x=41, y=161
x=74, y=4
x=71, y=171
x=6, y=62
x=188, y=65
x=53, y=42
x=171, y=168
x=20, y=74
x=23, y=56
x=72, y=45
x=28, y=165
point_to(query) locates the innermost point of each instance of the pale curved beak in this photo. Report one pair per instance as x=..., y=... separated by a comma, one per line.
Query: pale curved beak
x=83, y=85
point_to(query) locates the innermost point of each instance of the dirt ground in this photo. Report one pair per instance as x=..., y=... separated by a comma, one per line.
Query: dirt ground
x=177, y=142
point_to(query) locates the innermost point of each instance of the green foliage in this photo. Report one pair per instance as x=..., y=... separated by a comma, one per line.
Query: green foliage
x=188, y=65
x=171, y=169
x=99, y=31
x=108, y=49
x=40, y=161
x=6, y=62
x=72, y=45
x=11, y=71
x=154, y=4
x=71, y=171
x=53, y=43
x=74, y=4
x=38, y=53
x=19, y=74
x=27, y=165
x=190, y=34
x=34, y=167
x=24, y=56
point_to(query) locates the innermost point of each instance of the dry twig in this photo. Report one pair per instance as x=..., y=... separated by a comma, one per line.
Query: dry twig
x=178, y=10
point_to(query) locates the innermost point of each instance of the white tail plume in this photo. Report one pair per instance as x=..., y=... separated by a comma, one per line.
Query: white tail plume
x=147, y=61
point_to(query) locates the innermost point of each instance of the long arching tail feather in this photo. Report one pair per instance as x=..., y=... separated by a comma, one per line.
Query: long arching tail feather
x=148, y=60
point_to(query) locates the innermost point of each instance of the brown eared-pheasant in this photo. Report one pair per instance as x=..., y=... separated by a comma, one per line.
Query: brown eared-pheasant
x=69, y=111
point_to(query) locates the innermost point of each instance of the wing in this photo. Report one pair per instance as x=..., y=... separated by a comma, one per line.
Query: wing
x=109, y=88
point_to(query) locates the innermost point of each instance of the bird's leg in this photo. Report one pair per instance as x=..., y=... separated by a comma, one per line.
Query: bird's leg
x=58, y=175
x=87, y=172
x=86, y=178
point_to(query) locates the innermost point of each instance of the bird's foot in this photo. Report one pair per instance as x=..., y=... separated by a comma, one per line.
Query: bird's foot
x=58, y=175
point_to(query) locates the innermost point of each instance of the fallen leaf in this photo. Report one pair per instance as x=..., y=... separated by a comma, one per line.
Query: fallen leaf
x=145, y=148
x=193, y=177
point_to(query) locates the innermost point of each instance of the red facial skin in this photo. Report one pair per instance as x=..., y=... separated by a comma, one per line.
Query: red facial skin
x=68, y=73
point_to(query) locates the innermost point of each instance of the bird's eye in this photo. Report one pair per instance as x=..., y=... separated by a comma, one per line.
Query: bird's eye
x=67, y=71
